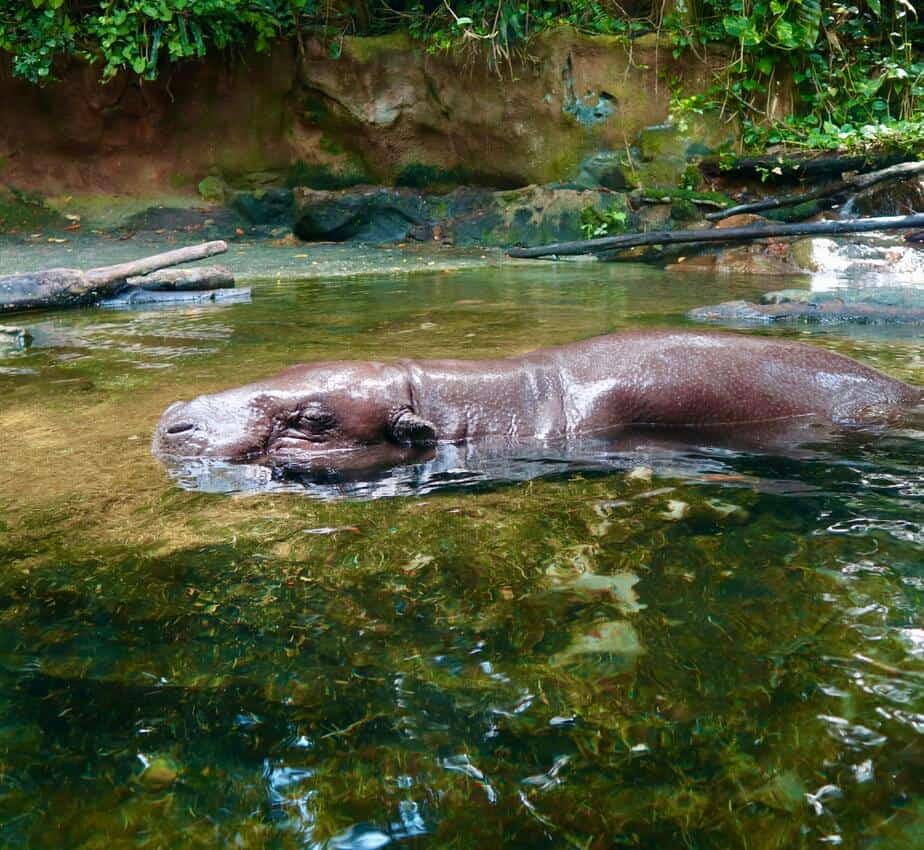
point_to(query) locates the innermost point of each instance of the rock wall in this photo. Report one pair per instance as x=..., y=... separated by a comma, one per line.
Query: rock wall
x=384, y=111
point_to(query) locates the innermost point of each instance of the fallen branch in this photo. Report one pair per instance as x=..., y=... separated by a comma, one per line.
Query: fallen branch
x=831, y=190
x=180, y=280
x=76, y=288
x=893, y=173
x=726, y=234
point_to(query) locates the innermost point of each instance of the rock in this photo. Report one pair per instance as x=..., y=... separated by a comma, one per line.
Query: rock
x=615, y=639
x=534, y=215
x=14, y=337
x=266, y=207
x=604, y=169
x=619, y=587
x=731, y=311
x=875, y=305
x=740, y=220
x=890, y=198
x=365, y=214
x=676, y=510
x=469, y=216
x=137, y=297
x=769, y=258
x=158, y=772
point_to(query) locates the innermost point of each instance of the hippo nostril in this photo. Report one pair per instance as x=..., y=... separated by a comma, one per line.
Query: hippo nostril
x=180, y=428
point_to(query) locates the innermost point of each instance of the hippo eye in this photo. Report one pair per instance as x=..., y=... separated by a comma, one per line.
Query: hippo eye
x=313, y=420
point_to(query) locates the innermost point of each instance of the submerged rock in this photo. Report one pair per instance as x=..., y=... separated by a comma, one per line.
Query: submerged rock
x=14, y=337
x=874, y=305
x=158, y=772
x=615, y=639
x=138, y=297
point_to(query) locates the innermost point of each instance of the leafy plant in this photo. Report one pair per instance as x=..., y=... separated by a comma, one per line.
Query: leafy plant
x=596, y=223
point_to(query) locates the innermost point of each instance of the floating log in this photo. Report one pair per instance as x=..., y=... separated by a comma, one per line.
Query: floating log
x=726, y=234
x=848, y=182
x=180, y=280
x=76, y=288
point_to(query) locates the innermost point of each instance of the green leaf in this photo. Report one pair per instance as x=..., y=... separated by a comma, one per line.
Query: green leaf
x=809, y=18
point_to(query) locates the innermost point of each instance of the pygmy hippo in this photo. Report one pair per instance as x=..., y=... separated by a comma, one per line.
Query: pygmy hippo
x=368, y=414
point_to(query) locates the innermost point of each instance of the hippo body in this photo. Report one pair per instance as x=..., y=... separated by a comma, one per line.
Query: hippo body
x=364, y=414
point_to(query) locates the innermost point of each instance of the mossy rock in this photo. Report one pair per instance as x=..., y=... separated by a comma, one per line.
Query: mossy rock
x=274, y=206
x=213, y=189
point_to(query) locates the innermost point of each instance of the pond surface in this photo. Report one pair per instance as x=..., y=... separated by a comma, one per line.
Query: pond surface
x=592, y=659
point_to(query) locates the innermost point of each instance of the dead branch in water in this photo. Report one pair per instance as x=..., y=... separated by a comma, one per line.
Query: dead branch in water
x=76, y=288
x=892, y=174
x=727, y=234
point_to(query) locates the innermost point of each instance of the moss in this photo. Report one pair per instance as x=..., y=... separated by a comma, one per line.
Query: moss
x=799, y=212
x=26, y=210
x=329, y=145
x=212, y=189
x=368, y=48
x=181, y=181
x=665, y=193
x=419, y=175
x=316, y=176
x=682, y=210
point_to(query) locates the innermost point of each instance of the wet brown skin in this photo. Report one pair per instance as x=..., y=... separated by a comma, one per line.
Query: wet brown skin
x=365, y=414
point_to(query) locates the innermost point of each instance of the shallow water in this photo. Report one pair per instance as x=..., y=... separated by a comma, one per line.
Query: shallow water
x=732, y=657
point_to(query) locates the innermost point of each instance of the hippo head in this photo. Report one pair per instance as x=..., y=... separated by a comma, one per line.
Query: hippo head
x=344, y=417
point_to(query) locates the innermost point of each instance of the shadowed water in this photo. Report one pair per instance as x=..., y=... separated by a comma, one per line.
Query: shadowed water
x=685, y=647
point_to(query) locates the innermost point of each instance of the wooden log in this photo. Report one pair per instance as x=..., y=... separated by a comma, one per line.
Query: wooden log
x=727, y=234
x=894, y=173
x=179, y=280
x=123, y=271
x=792, y=166
x=829, y=191
x=76, y=288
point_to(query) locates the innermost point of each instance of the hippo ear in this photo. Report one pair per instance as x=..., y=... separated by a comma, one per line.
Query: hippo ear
x=412, y=430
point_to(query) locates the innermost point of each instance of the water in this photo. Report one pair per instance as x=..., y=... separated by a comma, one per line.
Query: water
x=728, y=656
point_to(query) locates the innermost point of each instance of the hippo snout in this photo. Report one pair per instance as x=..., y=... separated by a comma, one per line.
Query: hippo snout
x=175, y=431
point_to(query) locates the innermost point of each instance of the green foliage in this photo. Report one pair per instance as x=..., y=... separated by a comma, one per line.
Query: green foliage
x=595, y=223
x=137, y=35
x=856, y=71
